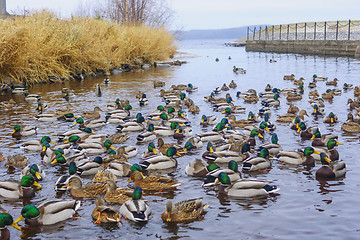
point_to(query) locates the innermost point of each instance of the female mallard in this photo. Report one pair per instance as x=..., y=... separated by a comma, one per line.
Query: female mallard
x=36, y=145
x=118, y=138
x=116, y=195
x=62, y=183
x=103, y=175
x=197, y=168
x=136, y=209
x=16, y=190
x=330, y=170
x=244, y=188
x=17, y=160
x=161, y=162
x=92, y=114
x=289, y=117
x=153, y=183
x=104, y=214
x=232, y=84
x=240, y=123
x=87, y=191
x=259, y=163
x=208, y=120
x=147, y=136
x=331, y=118
x=89, y=124
x=232, y=171
x=35, y=171
x=273, y=147
x=19, y=132
x=49, y=213
x=6, y=220
x=184, y=211
x=298, y=157
x=350, y=125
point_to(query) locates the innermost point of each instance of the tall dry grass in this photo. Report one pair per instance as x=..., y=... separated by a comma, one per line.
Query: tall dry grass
x=34, y=47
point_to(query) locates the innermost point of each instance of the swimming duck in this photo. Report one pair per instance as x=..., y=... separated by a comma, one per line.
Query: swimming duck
x=318, y=111
x=293, y=96
x=330, y=170
x=289, y=77
x=222, y=157
x=150, y=151
x=208, y=120
x=115, y=194
x=49, y=213
x=128, y=151
x=35, y=171
x=119, y=169
x=153, y=182
x=91, y=167
x=244, y=188
x=87, y=191
x=181, y=133
x=195, y=143
x=81, y=132
x=62, y=181
x=272, y=102
x=197, y=168
x=320, y=140
x=253, y=133
x=273, y=147
x=262, y=128
x=298, y=157
x=143, y=100
x=89, y=124
x=163, y=147
x=184, y=211
x=94, y=148
x=166, y=162
x=19, y=132
x=6, y=220
x=147, y=136
x=36, y=145
x=319, y=78
x=333, y=153
x=289, y=117
x=331, y=118
x=31, y=97
x=158, y=83
x=118, y=138
x=104, y=214
x=232, y=171
x=350, y=125
x=259, y=163
x=328, y=94
x=225, y=88
x=240, y=123
x=98, y=92
x=191, y=88
x=136, y=209
x=332, y=83
x=209, y=136
x=92, y=114
x=103, y=175
x=17, y=160
x=347, y=86
x=232, y=84
x=16, y=190
x=239, y=70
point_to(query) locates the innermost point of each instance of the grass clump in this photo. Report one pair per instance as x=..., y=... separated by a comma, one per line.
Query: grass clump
x=34, y=47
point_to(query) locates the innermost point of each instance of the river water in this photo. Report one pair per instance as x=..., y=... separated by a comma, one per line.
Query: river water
x=304, y=207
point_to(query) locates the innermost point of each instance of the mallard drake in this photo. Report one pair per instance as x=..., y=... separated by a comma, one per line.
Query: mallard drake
x=16, y=190
x=163, y=147
x=91, y=167
x=31, y=97
x=48, y=117
x=253, y=133
x=350, y=125
x=36, y=145
x=49, y=213
x=273, y=147
x=153, y=183
x=95, y=148
x=262, y=128
x=320, y=140
x=92, y=114
x=191, y=88
x=161, y=162
x=48, y=154
x=289, y=117
x=147, y=136
x=193, y=142
x=328, y=94
x=332, y=152
x=104, y=214
x=222, y=157
x=19, y=132
x=135, y=209
x=81, y=132
x=62, y=182
x=232, y=171
x=259, y=163
x=89, y=124
x=181, y=133
x=330, y=170
x=6, y=220
x=17, y=160
x=132, y=126
x=208, y=120
x=331, y=118
x=347, y=86
x=272, y=102
x=209, y=136
x=143, y=100
x=118, y=138
x=298, y=157
x=239, y=70
x=35, y=171
x=244, y=188
x=319, y=78
x=150, y=151
x=87, y=191
x=184, y=211
x=116, y=195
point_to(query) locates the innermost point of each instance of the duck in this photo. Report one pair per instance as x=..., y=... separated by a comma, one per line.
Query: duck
x=300, y=81
x=128, y=151
x=240, y=123
x=150, y=151
x=356, y=91
x=347, y=86
x=232, y=171
x=166, y=162
x=93, y=148
x=62, y=181
x=209, y=136
x=103, y=213
x=88, y=191
x=208, y=120
x=312, y=84
x=320, y=140
x=35, y=171
x=328, y=94
x=184, y=211
x=191, y=88
x=289, y=77
x=36, y=145
x=158, y=83
x=298, y=157
x=181, y=133
x=22, y=189
x=49, y=213
x=330, y=170
x=223, y=157
x=98, y=92
x=289, y=117
x=103, y=175
x=331, y=118
x=272, y=102
x=81, y=132
x=317, y=101
x=89, y=124
x=306, y=132
x=332, y=83
x=232, y=84
x=91, y=167
x=239, y=70
x=253, y=133
x=319, y=78
x=259, y=163
x=31, y=97
x=135, y=209
x=153, y=183
x=193, y=109
x=143, y=100
x=318, y=111
x=195, y=143
x=333, y=153
x=274, y=147
x=244, y=188
x=147, y=136
x=6, y=220
x=132, y=126
x=17, y=160
x=19, y=132
x=293, y=96
x=163, y=147
x=116, y=195
x=197, y=168
x=118, y=138
x=350, y=125
x=92, y=114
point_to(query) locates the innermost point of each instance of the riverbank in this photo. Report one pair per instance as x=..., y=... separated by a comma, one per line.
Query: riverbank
x=41, y=47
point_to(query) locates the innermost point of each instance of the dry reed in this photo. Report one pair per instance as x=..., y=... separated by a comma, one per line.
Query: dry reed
x=34, y=47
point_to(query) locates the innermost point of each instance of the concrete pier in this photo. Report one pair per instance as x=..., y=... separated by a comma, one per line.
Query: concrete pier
x=348, y=48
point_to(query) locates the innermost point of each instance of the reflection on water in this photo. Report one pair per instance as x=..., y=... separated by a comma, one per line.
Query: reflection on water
x=303, y=204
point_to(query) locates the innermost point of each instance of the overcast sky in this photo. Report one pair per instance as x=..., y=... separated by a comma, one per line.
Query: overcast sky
x=215, y=14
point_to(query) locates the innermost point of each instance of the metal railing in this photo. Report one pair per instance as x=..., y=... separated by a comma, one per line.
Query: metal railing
x=339, y=30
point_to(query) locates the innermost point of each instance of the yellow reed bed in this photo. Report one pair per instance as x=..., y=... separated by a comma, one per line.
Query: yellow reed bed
x=34, y=47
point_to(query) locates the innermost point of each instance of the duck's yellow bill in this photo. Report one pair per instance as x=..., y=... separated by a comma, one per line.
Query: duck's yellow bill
x=19, y=219
x=13, y=132
x=36, y=184
x=317, y=152
x=154, y=151
x=66, y=141
x=267, y=129
x=112, y=147
x=14, y=225
x=327, y=159
x=313, y=137
x=37, y=175
x=260, y=136
x=54, y=161
x=338, y=143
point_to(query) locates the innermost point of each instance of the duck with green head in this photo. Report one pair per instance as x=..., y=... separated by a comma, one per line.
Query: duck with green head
x=274, y=147
x=161, y=162
x=62, y=181
x=151, y=151
x=49, y=213
x=147, y=136
x=224, y=156
x=330, y=170
x=300, y=157
x=136, y=210
x=232, y=171
x=255, y=132
x=331, y=118
x=131, y=126
x=244, y=188
x=36, y=145
x=208, y=120
x=321, y=140
x=89, y=124
x=306, y=133
x=16, y=190
x=334, y=154
x=6, y=220
x=259, y=163
x=294, y=125
x=274, y=102
x=35, y=171
x=19, y=132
